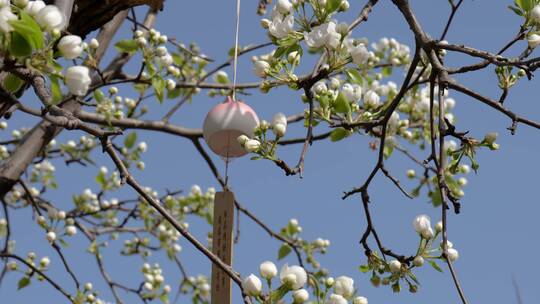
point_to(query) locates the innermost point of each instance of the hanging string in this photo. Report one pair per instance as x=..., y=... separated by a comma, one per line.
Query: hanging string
x=235, y=64
x=235, y=58
x=227, y=163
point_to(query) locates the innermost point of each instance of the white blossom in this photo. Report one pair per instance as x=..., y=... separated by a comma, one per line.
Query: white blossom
x=300, y=296
x=421, y=223
x=296, y=276
x=395, y=266
x=533, y=40
x=261, y=68
x=70, y=46
x=166, y=60
x=371, y=99
x=418, y=261
x=51, y=236
x=50, y=18
x=252, y=285
x=323, y=35
x=268, y=270
x=78, y=80
x=252, y=145
x=336, y=299
x=352, y=92
x=281, y=25
x=359, y=54
x=283, y=6
x=33, y=7
x=452, y=254
x=279, y=129
x=5, y=17
x=360, y=300
x=344, y=286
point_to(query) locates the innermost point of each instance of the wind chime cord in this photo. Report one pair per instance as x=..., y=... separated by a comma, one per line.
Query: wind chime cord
x=236, y=48
x=235, y=64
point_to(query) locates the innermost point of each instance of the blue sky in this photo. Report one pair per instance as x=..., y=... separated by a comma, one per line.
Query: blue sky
x=496, y=233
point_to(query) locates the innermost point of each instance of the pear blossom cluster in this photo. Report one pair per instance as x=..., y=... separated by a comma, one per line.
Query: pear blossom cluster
x=260, y=144
x=293, y=280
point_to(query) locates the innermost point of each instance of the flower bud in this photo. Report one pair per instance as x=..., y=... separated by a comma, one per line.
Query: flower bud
x=261, y=68
x=44, y=262
x=283, y=6
x=242, y=139
x=360, y=300
x=265, y=23
x=421, y=223
x=20, y=3
x=171, y=84
x=268, y=270
x=279, y=129
x=252, y=145
x=294, y=276
x=452, y=254
x=344, y=286
x=427, y=233
x=94, y=43
x=51, y=236
x=293, y=58
x=71, y=230
x=395, y=266
x=439, y=227
x=50, y=18
x=300, y=296
x=418, y=261
x=70, y=46
x=490, y=138
x=252, y=285
x=411, y=173
x=78, y=80
x=329, y=282
x=33, y=7
x=533, y=41
x=141, y=41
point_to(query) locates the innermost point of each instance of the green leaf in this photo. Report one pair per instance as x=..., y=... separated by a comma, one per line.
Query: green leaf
x=29, y=29
x=354, y=76
x=100, y=179
x=363, y=268
x=435, y=265
x=516, y=10
x=127, y=46
x=23, y=283
x=130, y=140
x=284, y=250
x=19, y=47
x=174, y=93
x=338, y=134
x=158, y=83
x=387, y=71
x=342, y=105
x=332, y=5
x=99, y=96
x=55, y=89
x=12, y=83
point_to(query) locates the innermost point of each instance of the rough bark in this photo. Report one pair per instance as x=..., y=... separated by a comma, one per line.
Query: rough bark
x=89, y=15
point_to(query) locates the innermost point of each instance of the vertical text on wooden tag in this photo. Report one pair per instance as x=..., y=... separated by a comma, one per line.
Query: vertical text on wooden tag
x=222, y=246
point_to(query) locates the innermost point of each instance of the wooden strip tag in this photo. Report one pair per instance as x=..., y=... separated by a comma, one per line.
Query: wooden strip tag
x=222, y=246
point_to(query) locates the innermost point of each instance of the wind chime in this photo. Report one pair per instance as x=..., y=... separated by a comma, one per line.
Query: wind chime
x=224, y=123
